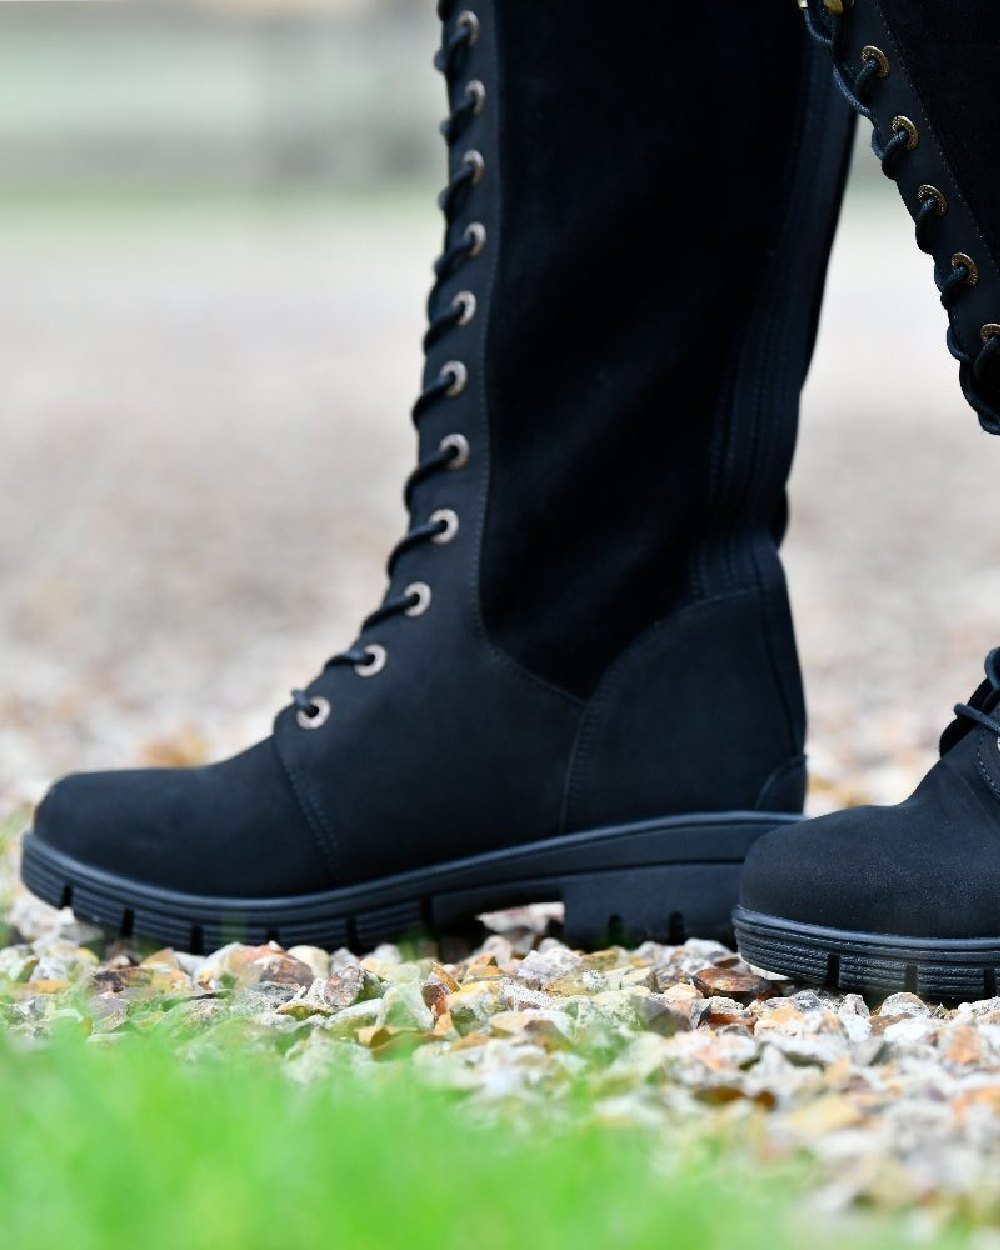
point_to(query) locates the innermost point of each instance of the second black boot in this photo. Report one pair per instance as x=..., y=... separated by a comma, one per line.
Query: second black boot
x=582, y=682
x=882, y=899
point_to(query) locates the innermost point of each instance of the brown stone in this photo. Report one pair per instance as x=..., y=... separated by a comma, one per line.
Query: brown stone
x=721, y=1012
x=285, y=970
x=353, y=984
x=436, y=997
x=742, y=987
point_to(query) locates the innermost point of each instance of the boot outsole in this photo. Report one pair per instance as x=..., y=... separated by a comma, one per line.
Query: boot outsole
x=872, y=964
x=664, y=880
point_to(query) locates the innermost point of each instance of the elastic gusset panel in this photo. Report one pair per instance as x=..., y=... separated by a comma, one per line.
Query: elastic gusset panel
x=642, y=160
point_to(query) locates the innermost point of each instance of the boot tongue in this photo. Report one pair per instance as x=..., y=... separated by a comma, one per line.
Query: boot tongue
x=986, y=699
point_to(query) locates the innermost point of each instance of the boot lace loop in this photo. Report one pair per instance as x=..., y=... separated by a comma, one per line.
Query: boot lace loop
x=969, y=711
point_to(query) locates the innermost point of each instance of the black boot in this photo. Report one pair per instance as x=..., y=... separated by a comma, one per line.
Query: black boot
x=582, y=683
x=889, y=898
x=881, y=899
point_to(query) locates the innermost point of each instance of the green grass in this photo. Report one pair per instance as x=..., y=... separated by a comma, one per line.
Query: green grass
x=127, y=1145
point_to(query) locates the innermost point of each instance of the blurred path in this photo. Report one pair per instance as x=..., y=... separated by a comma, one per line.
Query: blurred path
x=205, y=434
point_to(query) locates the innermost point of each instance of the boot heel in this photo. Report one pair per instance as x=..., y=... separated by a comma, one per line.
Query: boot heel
x=662, y=904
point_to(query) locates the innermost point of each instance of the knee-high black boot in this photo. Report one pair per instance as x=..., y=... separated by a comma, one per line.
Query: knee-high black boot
x=905, y=897
x=582, y=681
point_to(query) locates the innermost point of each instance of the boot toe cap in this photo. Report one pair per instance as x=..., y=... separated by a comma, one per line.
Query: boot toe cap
x=816, y=872
x=230, y=829
x=907, y=871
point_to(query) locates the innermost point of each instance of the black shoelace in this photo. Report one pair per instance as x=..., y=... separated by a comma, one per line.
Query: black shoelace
x=891, y=152
x=458, y=38
x=969, y=711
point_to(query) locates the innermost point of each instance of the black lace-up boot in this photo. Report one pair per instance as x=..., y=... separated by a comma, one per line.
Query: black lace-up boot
x=582, y=682
x=887, y=898
x=880, y=899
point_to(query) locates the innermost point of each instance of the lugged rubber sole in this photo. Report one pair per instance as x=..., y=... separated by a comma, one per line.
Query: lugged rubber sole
x=664, y=879
x=945, y=969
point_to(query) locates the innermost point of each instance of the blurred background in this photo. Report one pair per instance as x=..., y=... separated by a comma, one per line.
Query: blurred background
x=216, y=232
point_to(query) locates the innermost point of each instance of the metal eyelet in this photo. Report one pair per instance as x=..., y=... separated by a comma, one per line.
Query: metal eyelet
x=459, y=377
x=901, y=123
x=927, y=192
x=448, y=520
x=421, y=593
x=459, y=444
x=962, y=260
x=870, y=53
x=989, y=331
x=375, y=663
x=474, y=160
x=475, y=235
x=470, y=21
x=467, y=302
x=319, y=716
x=476, y=91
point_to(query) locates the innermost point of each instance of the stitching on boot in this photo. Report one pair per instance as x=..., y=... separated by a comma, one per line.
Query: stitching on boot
x=326, y=841
x=509, y=663
x=589, y=722
x=984, y=770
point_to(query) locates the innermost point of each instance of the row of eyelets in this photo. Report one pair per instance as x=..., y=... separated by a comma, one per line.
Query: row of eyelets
x=832, y=29
x=475, y=235
x=453, y=380
x=965, y=271
x=457, y=370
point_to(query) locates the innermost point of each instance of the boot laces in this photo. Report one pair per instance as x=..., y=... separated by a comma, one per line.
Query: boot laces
x=828, y=27
x=459, y=34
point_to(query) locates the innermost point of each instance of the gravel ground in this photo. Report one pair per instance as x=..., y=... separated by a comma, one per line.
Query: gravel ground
x=895, y=1108
x=205, y=435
